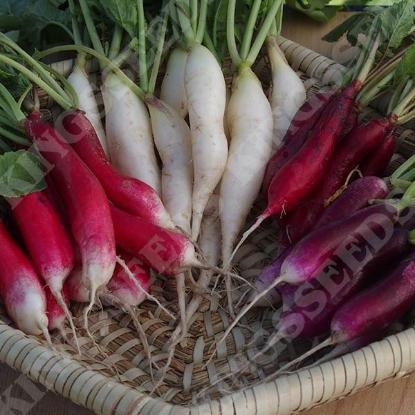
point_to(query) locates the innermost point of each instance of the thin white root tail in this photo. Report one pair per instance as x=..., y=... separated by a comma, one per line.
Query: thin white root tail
x=59, y=298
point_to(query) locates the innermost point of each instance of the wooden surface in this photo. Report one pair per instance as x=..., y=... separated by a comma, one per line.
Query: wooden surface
x=20, y=396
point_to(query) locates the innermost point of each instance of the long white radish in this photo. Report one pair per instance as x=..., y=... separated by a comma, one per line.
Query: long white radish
x=250, y=124
x=287, y=92
x=172, y=90
x=80, y=82
x=206, y=97
x=129, y=134
x=173, y=141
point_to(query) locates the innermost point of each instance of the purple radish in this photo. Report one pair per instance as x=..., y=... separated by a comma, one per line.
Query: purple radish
x=356, y=196
x=310, y=307
x=265, y=278
x=371, y=309
x=314, y=252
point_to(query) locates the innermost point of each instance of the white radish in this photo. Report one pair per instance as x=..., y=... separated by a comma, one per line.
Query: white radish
x=173, y=141
x=172, y=90
x=80, y=82
x=250, y=124
x=287, y=92
x=129, y=134
x=206, y=97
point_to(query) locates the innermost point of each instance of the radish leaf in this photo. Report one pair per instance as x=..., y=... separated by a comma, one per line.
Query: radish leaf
x=21, y=173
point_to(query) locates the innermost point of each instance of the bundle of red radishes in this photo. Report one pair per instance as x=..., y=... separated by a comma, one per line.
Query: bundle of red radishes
x=166, y=174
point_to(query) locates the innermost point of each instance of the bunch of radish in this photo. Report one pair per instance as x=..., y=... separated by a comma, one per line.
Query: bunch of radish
x=163, y=182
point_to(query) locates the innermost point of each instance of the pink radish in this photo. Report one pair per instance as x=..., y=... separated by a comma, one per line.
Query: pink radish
x=128, y=292
x=87, y=204
x=165, y=251
x=21, y=288
x=46, y=239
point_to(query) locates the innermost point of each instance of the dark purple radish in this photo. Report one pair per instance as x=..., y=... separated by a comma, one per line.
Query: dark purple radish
x=375, y=164
x=309, y=308
x=302, y=123
x=356, y=196
x=350, y=123
x=371, y=309
x=361, y=141
x=315, y=251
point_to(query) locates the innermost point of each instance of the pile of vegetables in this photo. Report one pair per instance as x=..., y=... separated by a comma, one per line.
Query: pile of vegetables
x=161, y=175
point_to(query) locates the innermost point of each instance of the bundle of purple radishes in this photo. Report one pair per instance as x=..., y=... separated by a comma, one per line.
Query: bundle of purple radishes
x=165, y=181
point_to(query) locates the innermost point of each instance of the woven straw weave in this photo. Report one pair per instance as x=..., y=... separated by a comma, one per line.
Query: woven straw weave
x=114, y=375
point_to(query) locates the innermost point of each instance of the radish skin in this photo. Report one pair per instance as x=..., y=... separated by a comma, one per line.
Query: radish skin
x=129, y=134
x=173, y=91
x=56, y=314
x=165, y=251
x=173, y=141
x=250, y=124
x=49, y=245
x=206, y=97
x=87, y=204
x=21, y=288
x=287, y=93
x=122, y=288
x=79, y=80
x=297, y=133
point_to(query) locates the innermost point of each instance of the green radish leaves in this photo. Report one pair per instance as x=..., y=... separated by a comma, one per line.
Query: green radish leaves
x=406, y=67
x=124, y=13
x=21, y=173
x=35, y=22
x=397, y=22
x=315, y=9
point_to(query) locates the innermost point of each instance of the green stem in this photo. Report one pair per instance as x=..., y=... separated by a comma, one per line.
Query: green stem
x=77, y=37
x=207, y=41
x=109, y=65
x=185, y=25
x=59, y=99
x=158, y=55
x=230, y=34
x=5, y=147
x=408, y=196
x=263, y=32
x=142, y=51
x=47, y=78
x=115, y=46
x=408, y=176
x=249, y=30
x=403, y=168
x=365, y=66
x=201, y=27
x=68, y=86
x=14, y=137
x=372, y=90
x=10, y=106
x=193, y=15
x=400, y=109
x=92, y=30
x=6, y=121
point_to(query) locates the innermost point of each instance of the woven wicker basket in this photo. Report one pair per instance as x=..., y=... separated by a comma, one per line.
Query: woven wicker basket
x=116, y=377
